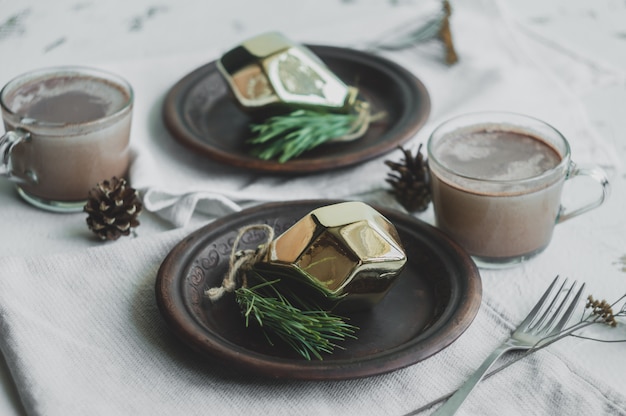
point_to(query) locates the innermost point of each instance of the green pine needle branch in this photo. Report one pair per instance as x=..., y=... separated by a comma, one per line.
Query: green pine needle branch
x=286, y=136
x=307, y=330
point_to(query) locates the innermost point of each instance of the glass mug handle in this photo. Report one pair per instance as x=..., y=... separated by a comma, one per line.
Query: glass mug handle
x=8, y=141
x=594, y=173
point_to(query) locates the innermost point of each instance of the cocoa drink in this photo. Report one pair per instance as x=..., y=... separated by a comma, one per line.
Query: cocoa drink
x=497, y=184
x=70, y=128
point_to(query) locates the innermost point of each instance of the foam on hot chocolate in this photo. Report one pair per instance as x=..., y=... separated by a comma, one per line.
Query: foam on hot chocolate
x=71, y=99
x=496, y=154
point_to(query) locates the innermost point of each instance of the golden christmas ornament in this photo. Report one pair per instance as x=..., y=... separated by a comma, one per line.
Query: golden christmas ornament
x=269, y=71
x=347, y=250
x=340, y=256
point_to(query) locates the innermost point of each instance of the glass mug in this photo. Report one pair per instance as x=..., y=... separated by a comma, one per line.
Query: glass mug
x=67, y=129
x=497, y=180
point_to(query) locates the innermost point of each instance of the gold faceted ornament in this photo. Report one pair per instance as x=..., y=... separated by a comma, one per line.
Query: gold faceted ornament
x=343, y=256
x=346, y=250
x=410, y=180
x=113, y=208
x=271, y=71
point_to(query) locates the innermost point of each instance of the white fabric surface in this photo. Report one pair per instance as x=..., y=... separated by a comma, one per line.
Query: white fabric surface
x=80, y=330
x=84, y=336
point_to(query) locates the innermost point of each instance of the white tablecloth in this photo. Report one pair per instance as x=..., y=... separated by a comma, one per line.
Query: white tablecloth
x=80, y=330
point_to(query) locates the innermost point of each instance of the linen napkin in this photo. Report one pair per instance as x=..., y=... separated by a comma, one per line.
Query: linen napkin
x=494, y=73
x=82, y=335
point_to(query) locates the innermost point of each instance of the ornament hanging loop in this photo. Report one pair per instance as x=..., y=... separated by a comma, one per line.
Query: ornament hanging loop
x=241, y=261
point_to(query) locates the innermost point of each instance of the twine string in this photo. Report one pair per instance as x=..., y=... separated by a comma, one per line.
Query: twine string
x=361, y=123
x=241, y=261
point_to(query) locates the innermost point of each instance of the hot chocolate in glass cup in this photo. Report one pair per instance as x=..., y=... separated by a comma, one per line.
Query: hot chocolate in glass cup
x=497, y=180
x=67, y=129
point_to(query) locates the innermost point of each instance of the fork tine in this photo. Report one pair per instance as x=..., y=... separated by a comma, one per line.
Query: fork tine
x=568, y=313
x=533, y=313
x=554, y=314
x=548, y=311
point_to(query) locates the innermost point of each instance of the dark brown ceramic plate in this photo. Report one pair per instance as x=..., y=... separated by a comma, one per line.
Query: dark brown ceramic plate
x=200, y=112
x=434, y=300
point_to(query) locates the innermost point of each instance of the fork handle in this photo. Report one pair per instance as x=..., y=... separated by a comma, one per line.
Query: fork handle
x=454, y=402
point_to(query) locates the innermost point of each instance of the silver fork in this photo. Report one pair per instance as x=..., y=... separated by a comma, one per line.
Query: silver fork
x=544, y=321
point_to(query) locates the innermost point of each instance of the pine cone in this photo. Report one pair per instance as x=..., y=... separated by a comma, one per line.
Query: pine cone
x=410, y=180
x=113, y=208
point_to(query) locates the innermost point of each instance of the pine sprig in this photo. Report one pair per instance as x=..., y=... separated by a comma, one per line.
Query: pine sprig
x=306, y=329
x=286, y=136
